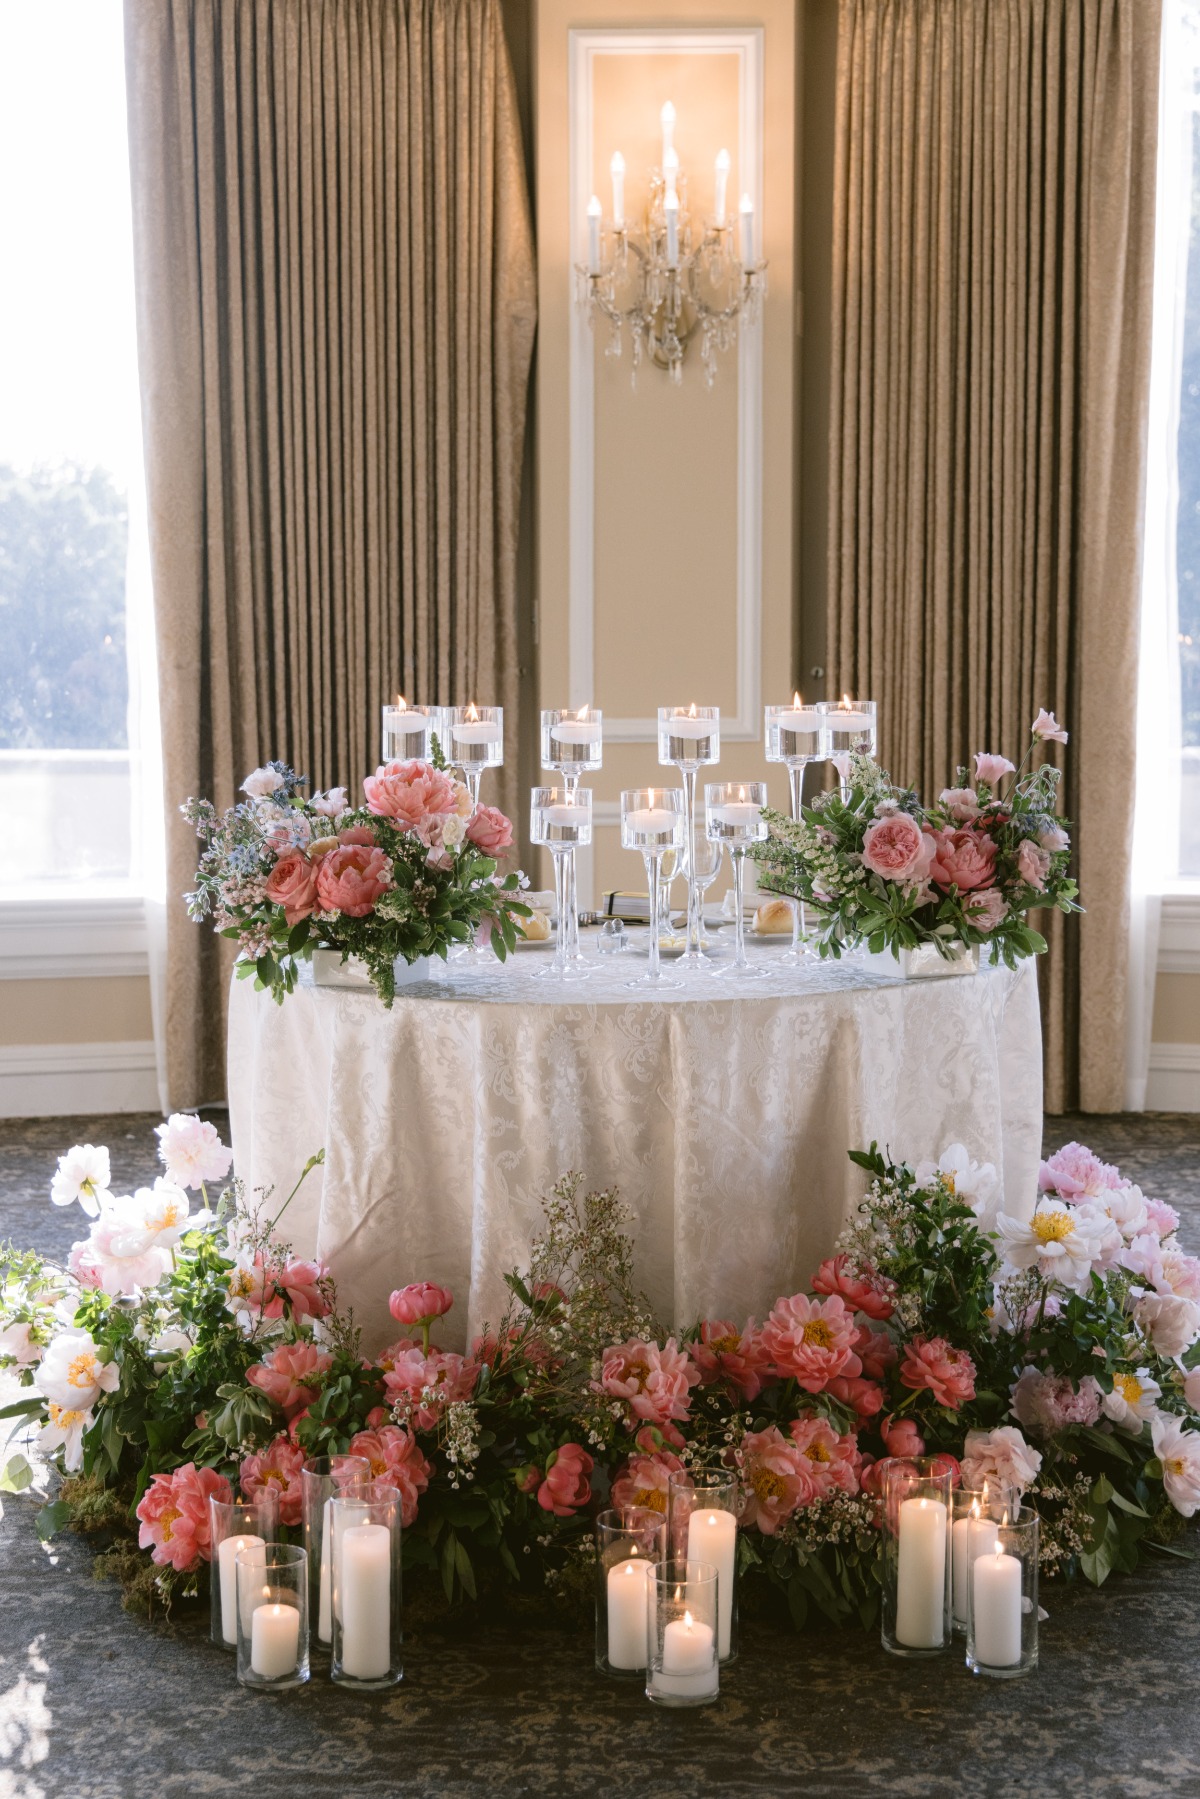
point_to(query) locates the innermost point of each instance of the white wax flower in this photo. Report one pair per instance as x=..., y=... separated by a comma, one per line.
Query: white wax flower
x=83, y=1174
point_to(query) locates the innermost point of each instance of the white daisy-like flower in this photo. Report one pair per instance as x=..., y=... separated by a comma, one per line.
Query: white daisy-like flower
x=1179, y=1452
x=1064, y=1243
x=191, y=1151
x=1134, y=1399
x=65, y=1431
x=976, y=1183
x=83, y=1174
x=72, y=1374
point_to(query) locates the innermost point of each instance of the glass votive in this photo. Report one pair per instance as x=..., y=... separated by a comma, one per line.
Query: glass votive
x=572, y=742
x=368, y=1639
x=851, y=726
x=653, y=821
x=272, y=1615
x=703, y=1508
x=629, y=1542
x=1002, y=1601
x=916, y=1555
x=682, y=1600
x=689, y=735
x=795, y=734
x=322, y=1478
x=975, y=1515
x=234, y=1525
x=408, y=730
x=476, y=735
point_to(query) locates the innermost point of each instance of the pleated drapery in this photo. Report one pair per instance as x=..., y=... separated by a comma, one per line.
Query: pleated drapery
x=335, y=320
x=993, y=248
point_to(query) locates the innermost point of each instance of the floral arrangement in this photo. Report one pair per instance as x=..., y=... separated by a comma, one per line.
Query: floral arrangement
x=880, y=868
x=185, y=1352
x=408, y=874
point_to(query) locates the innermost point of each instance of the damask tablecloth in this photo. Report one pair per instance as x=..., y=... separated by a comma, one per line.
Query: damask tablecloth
x=723, y=1111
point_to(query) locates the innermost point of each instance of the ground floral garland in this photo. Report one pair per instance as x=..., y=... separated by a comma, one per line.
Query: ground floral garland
x=186, y=1353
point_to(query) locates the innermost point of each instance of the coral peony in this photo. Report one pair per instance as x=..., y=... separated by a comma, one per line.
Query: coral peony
x=933, y=1363
x=778, y=1478
x=419, y=1303
x=426, y=1384
x=490, y=831
x=655, y=1382
x=566, y=1487
x=860, y=1285
x=864, y=1396
x=174, y=1516
x=260, y=1289
x=723, y=1353
x=897, y=849
x=289, y=1376
x=292, y=884
x=901, y=1437
x=876, y=1350
x=351, y=878
x=834, y=1460
x=964, y=859
x=645, y=1479
x=395, y=1455
x=812, y=1340
x=276, y=1471
x=414, y=795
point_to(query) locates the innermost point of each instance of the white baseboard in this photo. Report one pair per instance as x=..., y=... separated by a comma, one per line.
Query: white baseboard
x=54, y=1080
x=1174, y=1083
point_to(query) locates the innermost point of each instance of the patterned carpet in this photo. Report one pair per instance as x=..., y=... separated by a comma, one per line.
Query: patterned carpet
x=95, y=1704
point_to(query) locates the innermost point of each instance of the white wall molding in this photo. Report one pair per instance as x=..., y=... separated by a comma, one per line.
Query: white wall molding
x=53, y=1080
x=747, y=43
x=72, y=939
x=1174, y=1082
x=1179, y=934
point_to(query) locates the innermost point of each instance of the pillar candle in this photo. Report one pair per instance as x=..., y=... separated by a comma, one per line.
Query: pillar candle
x=972, y=1537
x=668, y=128
x=329, y=1526
x=228, y=1551
x=627, y=1626
x=593, y=225
x=617, y=167
x=274, y=1640
x=671, y=215
x=712, y=1537
x=921, y=1580
x=688, y=1664
x=996, y=1596
x=722, y=179
x=747, y=232
x=365, y=1600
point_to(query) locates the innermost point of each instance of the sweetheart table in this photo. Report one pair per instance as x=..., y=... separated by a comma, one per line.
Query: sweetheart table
x=722, y=1110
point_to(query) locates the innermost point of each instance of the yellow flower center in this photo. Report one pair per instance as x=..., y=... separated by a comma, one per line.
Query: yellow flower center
x=81, y=1372
x=640, y=1371
x=1130, y=1387
x=167, y=1520
x=63, y=1416
x=725, y=1345
x=240, y=1284
x=378, y=1465
x=651, y=1499
x=767, y=1484
x=950, y=1184
x=1174, y=1464
x=818, y=1452
x=1051, y=1227
x=818, y=1332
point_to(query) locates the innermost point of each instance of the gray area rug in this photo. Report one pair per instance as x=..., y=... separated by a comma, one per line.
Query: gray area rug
x=95, y=1704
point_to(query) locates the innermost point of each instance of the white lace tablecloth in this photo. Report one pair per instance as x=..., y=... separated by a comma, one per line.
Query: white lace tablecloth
x=722, y=1110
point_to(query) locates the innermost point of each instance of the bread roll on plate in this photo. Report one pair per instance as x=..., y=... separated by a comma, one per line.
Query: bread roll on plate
x=774, y=918
x=535, y=928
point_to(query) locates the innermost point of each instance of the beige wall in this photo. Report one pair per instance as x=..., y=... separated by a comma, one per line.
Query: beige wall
x=1177, y=1008
x=96, y=1010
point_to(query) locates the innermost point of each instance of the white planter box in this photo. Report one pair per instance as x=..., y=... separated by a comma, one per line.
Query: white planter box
x=925, y=962
x=330, y=971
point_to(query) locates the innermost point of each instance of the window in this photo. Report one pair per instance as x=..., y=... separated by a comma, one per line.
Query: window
x=70, y=452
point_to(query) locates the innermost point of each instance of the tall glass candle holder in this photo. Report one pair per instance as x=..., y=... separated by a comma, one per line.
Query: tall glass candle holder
x=796, y=735
x=323, y=1478
x=689, y=738
x=652, y=821
x=476, y=742
x=1002, y=1601
x=703, y=1508
x=852, y=730
x=975, y=1515
x=629, y=1543
x=733, y=817
x=272, y=1616
x=234, y=1525
x=562, y=823
x=572, y=745
x=408, y=731
x=684, y=1666
x=368, y=1637
x=916, y=1555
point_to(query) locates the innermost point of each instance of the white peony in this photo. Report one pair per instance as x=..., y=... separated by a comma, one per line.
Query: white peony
x=1126, y=1206
x=161, y=1212
x=18, y=1345
x=192, y=1151
x=1179, y=1452
x=1000, y=1455
x=1191, y=1388
x=72, y=1374
x=82, y=1174
x=1063, y=1242
x=65, y=1431
x=1171, y=1322
x=1133, y=1399
x=976, y=1183
x=261, y=783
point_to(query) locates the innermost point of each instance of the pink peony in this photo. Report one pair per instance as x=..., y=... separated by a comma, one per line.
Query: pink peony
x=1047, y=728
x=490, y=831
x=812, y=1340
x=420, y=1302
x=901, y=1437
x=834, y=1460
x=415, y=795
x=986, y=910
x=961, y=803
x=268, y=1290
x=116, y=1256
x=1001, y=1455
x=83, y=1266
x=276, y=1470
x=862, y=1288
x=1073, y=1172
x=175, y=1518
x=864, y=1396
x=876, y=1350
x=948, y=1373
x=778, y=1478
x=288, y=1374
x=1180, y=1274
x=566, y=1486
x=655, y=1382
x=191, y=1151
x=428, y=1383
x=645, y=1480
x=1163, y=1219
x=394, y=1454
x=351, y=878
x=723, y=1353
x=896, y=849
x=965, y=859
x=992, y=769
x=1033, y=864
x=1047, y=1403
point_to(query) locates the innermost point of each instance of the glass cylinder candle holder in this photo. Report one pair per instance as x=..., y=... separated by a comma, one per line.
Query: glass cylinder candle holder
x=1002, y=1600
x=733, y=817
x=408, y=731
x=234, y=1525
x=703, y=1508
x=975, y=1515
x=851, y=727
x=562, y=823
x=629, y=1543
x=652, y=821
x=368, y=1639
x=796, y=735
x=475, y=741
x=272, y=1616
x=916, y=1555
x=682, y=1602
x=572, y=743
x=325, y=1477
x=689, y=737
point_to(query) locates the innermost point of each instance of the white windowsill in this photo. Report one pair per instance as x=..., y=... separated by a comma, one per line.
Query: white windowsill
x=55, y=936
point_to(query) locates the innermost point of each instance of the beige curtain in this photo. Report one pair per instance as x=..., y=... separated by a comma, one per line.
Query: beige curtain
x=993, y=238
x=335, y=317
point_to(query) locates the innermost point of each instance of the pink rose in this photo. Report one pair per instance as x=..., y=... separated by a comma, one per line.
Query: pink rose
x=351, y=878
x=862, y=1288
x=411, y=793
x=986, y=910
x=292, y=884
x=961, y=803
x=566, y=1486
x=490, y=831
x=948, y=1373
x=395, y=1456
x=175, y=1518
x=1033, y=864
x=812, y=1340
x=288, y=1374
x=645, y=1481
x=901, y=1437
x=965, y=859
x=778, y=1478
x=276, y=1470
x=992, y=769
x=834, y=1460
x=655, y=1382
x=1047, y=728
x=896, y=849
x=723, y=1353
x=420, y=1302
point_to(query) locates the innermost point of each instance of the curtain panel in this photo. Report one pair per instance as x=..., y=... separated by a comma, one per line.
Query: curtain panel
x=336, y=310
x=993, y=251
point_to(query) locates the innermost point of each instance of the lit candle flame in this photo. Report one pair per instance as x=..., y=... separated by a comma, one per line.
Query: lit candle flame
x=582, y=713
x=400, y=703
x=741, y=793
x=974, y=1508
x=688, y=1620
x=846, y=702
x=797, y=702
x=678, y=1593
x=473, y=711
x=712, y=1518
x=266, y=1592
x=629, y=1567
x=692, y=710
